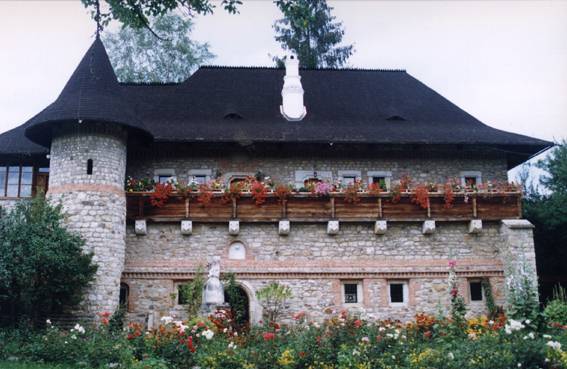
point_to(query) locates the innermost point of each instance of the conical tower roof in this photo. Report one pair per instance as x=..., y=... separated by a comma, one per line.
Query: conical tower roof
x=92, y=94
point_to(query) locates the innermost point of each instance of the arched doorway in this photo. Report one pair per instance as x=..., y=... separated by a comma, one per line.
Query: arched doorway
x=239, y=303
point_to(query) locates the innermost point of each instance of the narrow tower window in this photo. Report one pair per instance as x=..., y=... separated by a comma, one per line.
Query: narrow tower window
x=90, y=167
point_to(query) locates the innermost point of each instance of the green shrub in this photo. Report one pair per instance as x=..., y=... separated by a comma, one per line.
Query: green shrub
x=191, y=293
x=42, y=267
x=556, y=309
x=273, y=298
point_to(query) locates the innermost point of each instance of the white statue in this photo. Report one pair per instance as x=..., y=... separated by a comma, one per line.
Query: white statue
x=214, y=291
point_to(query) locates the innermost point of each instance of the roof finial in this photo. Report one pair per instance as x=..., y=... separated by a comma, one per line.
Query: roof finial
x=97, y=19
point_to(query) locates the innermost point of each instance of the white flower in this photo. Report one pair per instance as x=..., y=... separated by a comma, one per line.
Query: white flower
x=491, y=322
x=528, y=321
x=365, y=339
x=77, y=328
x=208, y=334
x=451, y=356
x=554, y=345
x=48, y=322
x=531, y=335
x=232, y=346
x=547, y=336
x=166, y=320
x=381, y=329
x=519, y=365
x=355, y=352
x=513, y=325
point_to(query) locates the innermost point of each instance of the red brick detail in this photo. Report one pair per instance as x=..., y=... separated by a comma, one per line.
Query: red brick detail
x=366, y=292
x=336, y=290
x=383, y=285
x=86, y=187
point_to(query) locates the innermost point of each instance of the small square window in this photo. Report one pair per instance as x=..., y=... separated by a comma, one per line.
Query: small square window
x=200, y=179
x=398, y=293
x=470, y=181
x=349, y=180
x=164, y=179
x=475, y=288
x=351, y=293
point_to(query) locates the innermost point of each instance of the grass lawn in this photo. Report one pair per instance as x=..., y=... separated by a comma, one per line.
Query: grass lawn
x=19, y=365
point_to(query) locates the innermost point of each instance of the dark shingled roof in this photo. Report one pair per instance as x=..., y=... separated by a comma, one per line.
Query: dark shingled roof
x=242, y=104
x=91, y=94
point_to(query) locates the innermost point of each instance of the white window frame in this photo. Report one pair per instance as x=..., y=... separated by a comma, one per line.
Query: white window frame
x=405, y=287
x=302, y=175
x=359, y=292
x=162, y=172
x=357, y=174
x=207, y=173
x=481, y=290
x=471, y=173
x=380, y=173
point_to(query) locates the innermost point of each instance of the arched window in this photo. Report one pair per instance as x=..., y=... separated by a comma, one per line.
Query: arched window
x=124, y=295
x=90, y=167
x=237, y=251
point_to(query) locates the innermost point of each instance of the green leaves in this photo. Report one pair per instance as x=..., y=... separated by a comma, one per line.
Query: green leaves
x=42, y=267
x=310, y=31
x=138, y=56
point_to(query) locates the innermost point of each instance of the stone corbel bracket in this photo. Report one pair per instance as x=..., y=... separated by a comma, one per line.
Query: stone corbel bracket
x=234, y=227
x=284, y=227
x=428, y=227
x=333, y=227
x=380, y=227
x=186, y=227
x=140, y=227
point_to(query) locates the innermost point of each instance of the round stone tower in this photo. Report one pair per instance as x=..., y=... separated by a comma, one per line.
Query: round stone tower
x=87, y=129
x=87, y=173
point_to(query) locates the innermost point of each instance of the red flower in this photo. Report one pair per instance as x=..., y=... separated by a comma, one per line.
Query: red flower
x=301, y=354
x=190, y=344
x=269, y=336
x=378, y=339
x=358, y=323
x=427, y=334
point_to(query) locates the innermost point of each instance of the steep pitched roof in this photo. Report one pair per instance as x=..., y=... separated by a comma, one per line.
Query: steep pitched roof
x=91, y=94
x=242, y=104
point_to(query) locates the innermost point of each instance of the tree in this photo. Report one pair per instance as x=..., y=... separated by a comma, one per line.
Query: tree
x=138, y=56
x=547, y=210
x=136, y=13
x=310, y=31
x=42, y=267
x=273, y=299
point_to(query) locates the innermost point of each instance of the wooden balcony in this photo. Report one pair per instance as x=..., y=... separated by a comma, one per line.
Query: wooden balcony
x=304, y=207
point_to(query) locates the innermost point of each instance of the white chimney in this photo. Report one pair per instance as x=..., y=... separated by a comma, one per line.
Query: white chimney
x=292, y=107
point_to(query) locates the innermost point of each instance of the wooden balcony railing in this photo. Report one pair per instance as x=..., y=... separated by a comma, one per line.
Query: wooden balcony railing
x=304, y=207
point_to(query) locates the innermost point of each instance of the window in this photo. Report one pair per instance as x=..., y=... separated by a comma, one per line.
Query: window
x=471, y=178
x=124, y=294
x=475, y=288
x=305, y=177
x=381, y=178
x=90, y=167
x=237, y=251
x=181, y=298
x=348, y=177
x=16, y=181
x=200, y=176
x=398, y=293
x=352, y=292
x=164, y=175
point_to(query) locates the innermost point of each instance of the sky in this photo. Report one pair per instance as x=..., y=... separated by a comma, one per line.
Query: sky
x=504, y=62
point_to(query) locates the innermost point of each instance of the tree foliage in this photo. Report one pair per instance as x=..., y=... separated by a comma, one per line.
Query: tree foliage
x=192, y=293
x=137, y=13
x=42, y=267
x=138, y=56
x=310, y=31
x=547, y=210
x=273, y=299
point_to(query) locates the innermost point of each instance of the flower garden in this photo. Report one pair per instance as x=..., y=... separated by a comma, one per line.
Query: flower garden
x=341, y=341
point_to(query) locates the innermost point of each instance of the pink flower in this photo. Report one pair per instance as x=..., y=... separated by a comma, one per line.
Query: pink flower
x=452, y=263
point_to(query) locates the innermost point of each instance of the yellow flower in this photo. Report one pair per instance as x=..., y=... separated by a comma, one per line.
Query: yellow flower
x=286, y=358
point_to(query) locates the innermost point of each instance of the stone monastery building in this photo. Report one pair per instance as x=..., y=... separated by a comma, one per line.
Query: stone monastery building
x=367, y=183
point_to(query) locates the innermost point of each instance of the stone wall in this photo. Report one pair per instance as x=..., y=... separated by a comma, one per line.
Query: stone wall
x=7, y=205
x=424, y=167
x=94, y=204
x=315, y=264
